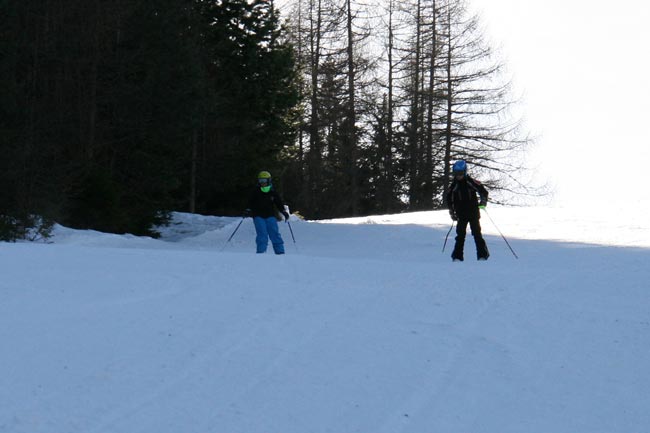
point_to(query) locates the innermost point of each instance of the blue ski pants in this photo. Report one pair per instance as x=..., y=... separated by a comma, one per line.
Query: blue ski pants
x=267, y=228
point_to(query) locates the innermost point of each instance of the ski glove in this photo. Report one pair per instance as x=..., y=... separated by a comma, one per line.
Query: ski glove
x=286, y=216
x=482, y=204
x=247, y=213
x=453, y=216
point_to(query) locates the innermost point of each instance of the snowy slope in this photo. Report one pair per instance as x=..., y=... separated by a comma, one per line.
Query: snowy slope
x=364, y=326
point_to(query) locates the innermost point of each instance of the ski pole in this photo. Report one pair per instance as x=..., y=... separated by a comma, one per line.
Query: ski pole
x=292, y=236
x=504, y=238
x=446, y=237
x=291, y=230
x=233, y=233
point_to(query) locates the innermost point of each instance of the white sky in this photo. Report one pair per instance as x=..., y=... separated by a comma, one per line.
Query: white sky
x=582, y=69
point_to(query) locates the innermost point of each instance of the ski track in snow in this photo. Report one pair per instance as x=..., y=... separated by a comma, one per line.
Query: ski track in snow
x=364, y=326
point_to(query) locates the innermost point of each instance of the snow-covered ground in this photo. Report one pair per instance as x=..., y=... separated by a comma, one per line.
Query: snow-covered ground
x=363, y=326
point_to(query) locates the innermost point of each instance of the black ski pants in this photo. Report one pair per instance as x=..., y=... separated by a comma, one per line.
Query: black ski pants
x=461, y=231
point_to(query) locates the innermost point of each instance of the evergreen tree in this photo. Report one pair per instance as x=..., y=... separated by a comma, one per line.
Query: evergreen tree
x=112, y=116
x=253, y=90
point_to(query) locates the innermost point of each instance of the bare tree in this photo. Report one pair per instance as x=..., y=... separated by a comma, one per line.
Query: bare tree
x=439, y=95
x=476, y=117
x=428, y=182
x=328, y=34
x=414, y=119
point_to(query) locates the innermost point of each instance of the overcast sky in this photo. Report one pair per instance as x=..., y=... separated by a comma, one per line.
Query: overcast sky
x=582, y=68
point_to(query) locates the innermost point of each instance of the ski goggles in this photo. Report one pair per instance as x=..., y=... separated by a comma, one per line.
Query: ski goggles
x=263, y=182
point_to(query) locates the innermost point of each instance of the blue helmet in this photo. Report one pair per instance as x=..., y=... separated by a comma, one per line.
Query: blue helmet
x=460, y=166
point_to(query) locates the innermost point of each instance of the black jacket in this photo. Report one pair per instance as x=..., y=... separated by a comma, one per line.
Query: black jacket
x=265, y=204
x=463, y=197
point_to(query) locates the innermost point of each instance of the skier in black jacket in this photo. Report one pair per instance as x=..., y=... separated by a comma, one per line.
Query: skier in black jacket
x=263, y=204
x=464, y=207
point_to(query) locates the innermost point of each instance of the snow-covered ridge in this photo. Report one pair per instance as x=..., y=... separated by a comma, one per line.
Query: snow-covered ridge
x=616, y=228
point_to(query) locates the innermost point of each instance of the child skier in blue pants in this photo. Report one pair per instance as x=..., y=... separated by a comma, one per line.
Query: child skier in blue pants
x=263, y=203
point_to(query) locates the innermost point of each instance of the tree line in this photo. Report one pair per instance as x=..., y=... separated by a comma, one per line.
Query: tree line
x=393, y=92
x=114, y=114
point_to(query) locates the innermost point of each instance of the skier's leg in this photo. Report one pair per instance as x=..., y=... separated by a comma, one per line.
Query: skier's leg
x=461, y=231
x=274, y=234
x=262, y=238
x=481, y=247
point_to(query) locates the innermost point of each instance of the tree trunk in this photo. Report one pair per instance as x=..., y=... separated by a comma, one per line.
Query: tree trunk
x=388, y=154
x=351, y=139
x=314, y=165
x=448, y=113
x=428, y=166
x=195, y=145
x=92, y=112
x=414, y=185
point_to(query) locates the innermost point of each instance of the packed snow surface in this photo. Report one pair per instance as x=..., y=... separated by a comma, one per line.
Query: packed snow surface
x=365, y=325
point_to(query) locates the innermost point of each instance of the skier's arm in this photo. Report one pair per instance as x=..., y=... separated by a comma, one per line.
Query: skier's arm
x=448, y=196
x=482, y=192
x=251, y=204
x=450, y=205
x=279, y=204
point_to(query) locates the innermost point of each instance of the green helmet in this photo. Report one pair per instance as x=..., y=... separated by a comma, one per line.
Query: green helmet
x=264, y=180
